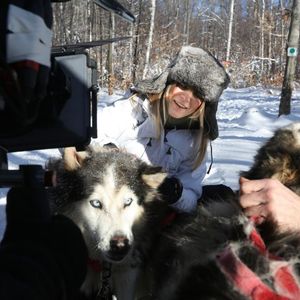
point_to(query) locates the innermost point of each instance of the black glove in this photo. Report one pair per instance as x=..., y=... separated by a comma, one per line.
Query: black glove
x=171, y=189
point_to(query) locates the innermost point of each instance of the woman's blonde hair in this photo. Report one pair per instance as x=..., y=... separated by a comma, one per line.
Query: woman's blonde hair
x=159, y=113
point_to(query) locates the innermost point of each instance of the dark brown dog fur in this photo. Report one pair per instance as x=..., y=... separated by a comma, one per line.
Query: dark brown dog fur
x=279, y=158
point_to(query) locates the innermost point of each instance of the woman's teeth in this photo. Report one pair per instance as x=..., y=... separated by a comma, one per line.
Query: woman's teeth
x=180, y=105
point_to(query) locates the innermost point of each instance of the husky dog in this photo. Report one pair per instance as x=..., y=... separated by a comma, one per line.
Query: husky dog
x=221, y=257
x=112, y=196
x=279, y=158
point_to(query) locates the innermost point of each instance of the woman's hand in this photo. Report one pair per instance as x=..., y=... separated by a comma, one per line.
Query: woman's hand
x=269, y=198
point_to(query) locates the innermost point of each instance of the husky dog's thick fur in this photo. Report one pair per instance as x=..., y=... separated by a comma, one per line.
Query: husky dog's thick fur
x=112, y=196
x=217, y=256
x=279, y=158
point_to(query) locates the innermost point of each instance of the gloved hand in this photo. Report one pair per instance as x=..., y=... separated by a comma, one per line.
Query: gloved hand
x=171, y=189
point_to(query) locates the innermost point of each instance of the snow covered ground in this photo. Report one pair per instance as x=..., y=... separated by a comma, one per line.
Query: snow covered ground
x=247, y=117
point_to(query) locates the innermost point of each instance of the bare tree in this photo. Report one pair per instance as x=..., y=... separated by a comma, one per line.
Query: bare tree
x=293, y=41
x=285, y=16
x=100, y=55
x=110, y=55
x=262, y=35
x=150, y=36
x=230, y=29
x=186, y=28
x=251, y=34
x=130, y=51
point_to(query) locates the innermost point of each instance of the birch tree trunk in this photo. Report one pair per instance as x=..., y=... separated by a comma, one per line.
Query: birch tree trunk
x=291, y=61
x=130, y=50
x=150, y=36
x=110, y=55
x=186, y=28
x=262, y=36
x=101, y=50
x=230, y=30
x=282, y=36
x=270, y=39
x=91, y=20
x=136, y=43
x=176, y=7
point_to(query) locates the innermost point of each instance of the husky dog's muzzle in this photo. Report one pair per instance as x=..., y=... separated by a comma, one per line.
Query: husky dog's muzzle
x=119, y=247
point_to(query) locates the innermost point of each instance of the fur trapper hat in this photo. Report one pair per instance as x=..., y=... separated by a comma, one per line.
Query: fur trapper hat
x=196, y=68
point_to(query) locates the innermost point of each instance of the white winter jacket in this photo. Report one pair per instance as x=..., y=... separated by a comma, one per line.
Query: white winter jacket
x=128, y=124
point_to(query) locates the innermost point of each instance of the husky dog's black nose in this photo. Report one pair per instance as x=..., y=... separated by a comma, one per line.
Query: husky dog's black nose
x=119, y=246
x=119, y=242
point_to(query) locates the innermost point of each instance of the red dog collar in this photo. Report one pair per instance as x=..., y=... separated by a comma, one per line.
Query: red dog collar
x=95, y=265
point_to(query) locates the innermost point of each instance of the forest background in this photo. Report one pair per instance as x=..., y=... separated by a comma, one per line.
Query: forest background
x=248, y=36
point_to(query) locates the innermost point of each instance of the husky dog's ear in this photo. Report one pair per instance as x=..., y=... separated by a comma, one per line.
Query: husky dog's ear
x=73, y=159
x=153, y=176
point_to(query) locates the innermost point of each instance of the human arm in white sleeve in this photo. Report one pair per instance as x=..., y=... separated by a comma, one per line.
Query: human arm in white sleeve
x=192, y=187
x=115, y=122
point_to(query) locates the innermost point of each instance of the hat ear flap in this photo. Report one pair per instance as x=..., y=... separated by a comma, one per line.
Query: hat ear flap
x=210, y=120
x=152, y=86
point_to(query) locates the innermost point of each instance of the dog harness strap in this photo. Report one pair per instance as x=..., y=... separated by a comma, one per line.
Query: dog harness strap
x=244, y=279
x=257, y=241
x=285, y=282
x=264, y=294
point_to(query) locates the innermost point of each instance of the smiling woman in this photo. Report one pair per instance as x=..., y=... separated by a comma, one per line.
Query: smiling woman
x=168, y=120
x=181, y=102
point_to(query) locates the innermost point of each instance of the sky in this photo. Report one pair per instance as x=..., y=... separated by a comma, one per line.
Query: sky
x=247, y=118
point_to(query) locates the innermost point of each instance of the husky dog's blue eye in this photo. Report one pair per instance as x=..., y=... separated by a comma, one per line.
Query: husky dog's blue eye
x=96, y=204
x=127, y=201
